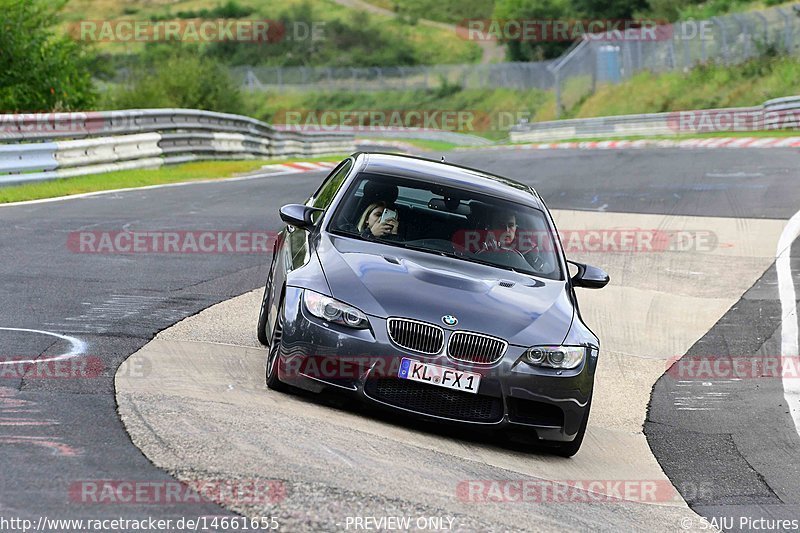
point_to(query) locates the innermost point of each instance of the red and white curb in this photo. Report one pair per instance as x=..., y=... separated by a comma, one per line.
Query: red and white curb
x=715, y=142
x=294, y=168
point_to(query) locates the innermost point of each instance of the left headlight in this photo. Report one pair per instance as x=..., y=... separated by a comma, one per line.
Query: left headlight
x=331, y=310
x=565, y=357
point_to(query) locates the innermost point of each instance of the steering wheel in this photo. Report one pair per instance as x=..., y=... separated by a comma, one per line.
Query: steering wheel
x=491, y=245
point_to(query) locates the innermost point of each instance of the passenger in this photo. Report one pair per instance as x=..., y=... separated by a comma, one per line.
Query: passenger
x=370, y=225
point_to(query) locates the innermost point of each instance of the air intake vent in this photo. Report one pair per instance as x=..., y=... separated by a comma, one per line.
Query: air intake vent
x=416, y=336
x=476, y=348
x=507, y=284
x=435, y=401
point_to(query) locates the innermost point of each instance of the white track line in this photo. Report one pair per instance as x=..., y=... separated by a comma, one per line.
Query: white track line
x=77, y=347
x=149, y=187
x=789, y=341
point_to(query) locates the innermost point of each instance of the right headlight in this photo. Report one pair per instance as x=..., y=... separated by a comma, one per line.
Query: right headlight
x=331, y=310
x=562, y=357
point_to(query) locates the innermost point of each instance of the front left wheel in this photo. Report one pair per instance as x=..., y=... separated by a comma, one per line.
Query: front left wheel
x=263, y=315
x=271, y=377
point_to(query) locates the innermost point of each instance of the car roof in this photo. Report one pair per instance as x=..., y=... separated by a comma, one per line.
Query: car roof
x=447, y=174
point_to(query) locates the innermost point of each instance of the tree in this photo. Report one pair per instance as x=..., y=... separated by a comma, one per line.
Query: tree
x=532, y=11
x=39, y=70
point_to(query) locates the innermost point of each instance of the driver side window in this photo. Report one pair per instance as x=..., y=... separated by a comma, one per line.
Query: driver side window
x=324, y=195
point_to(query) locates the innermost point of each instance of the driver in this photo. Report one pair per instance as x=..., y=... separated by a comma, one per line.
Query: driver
x=502, y=236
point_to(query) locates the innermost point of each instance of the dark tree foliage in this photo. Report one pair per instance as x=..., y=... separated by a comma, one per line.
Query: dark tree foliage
x=39, y=70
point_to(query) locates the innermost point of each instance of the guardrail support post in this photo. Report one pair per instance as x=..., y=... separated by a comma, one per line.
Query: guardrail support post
x=559, y=106
x=787, y=29
x=724, y=35
x=763, y=19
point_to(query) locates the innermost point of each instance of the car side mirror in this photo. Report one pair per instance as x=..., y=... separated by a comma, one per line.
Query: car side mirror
x=298, y=215
x=589, y=277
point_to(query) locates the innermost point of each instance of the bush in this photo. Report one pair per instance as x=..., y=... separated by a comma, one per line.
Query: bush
x=229, y=10
x=181, y=79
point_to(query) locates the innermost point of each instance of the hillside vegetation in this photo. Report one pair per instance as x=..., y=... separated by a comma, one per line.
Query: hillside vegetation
x=454, y=11
x=347, y=37
x=705, y=87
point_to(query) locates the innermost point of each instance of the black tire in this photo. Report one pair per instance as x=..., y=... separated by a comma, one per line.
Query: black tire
x=568, y=449
x=263, y=315
x=271, y=373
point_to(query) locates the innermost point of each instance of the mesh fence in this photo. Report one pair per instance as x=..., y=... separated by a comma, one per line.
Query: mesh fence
x=523, y=75
x=596, y=59
x=729, y=40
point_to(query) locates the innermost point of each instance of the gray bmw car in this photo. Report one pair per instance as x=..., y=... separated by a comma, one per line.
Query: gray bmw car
x=435, y=290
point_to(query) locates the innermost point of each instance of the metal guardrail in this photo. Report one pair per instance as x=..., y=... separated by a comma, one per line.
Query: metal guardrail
x=780, y=113
x=387, y=132
x=57, y=145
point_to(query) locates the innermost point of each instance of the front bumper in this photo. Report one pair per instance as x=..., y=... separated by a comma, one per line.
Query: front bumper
x=317, y=355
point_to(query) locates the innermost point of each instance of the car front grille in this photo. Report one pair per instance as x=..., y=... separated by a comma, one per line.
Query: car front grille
x=416, y=336
x=476, y=348
x=435, y=401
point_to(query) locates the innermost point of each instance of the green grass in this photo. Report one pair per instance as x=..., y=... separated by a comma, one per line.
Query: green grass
x=430, y=145
x=450, y=11
x=124, y=179
x=425, y=144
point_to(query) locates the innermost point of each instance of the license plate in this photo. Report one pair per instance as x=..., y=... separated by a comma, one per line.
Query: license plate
x=439, y=375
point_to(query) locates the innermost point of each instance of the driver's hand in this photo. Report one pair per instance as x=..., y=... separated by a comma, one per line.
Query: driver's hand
x=490, y=243
x=381, y=230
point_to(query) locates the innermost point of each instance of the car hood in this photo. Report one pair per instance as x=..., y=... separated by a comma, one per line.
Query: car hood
x=389, y=281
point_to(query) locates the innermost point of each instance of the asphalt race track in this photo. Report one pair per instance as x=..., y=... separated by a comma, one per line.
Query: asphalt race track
x=194, y=402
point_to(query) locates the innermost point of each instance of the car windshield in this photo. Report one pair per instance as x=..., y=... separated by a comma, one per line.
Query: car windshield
x=447, y=221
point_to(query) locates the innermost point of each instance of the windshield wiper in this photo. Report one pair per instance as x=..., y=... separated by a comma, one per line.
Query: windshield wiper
x=496, y=265
x=469, y=259
x=444, y=253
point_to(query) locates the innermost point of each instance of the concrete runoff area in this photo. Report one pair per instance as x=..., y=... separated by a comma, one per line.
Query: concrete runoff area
x=194, y=401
